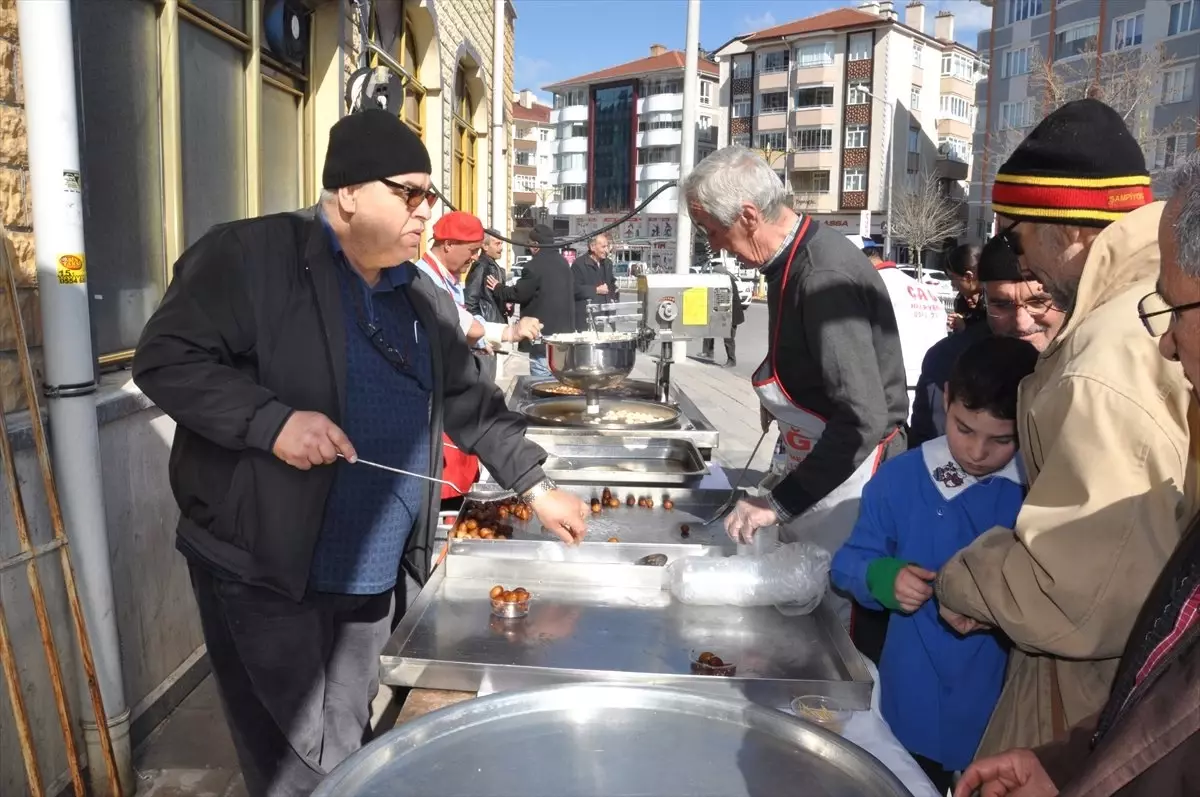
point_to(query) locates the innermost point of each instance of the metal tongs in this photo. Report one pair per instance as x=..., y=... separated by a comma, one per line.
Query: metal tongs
x=724, y=509
x=495, y=495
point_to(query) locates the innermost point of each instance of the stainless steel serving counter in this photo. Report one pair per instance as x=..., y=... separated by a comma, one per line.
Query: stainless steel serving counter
x=692, y=424
x=595, y=616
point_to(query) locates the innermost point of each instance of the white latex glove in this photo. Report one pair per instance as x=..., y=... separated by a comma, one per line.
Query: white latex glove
x=748, y=516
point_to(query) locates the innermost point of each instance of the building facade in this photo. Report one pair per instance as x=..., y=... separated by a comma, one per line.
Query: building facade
x=534, y=148
x=619, y=132
x=852, y=105
x=1092, y=37
x=193, y=113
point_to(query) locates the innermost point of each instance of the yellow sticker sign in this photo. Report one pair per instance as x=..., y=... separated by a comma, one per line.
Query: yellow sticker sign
x=72, y=270
x=695, y=307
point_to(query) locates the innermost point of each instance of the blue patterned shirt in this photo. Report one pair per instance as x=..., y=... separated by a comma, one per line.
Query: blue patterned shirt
x=370, y=512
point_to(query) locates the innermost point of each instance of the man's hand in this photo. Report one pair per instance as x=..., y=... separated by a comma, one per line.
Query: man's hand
x=1016, y=773
x=960, y=622
x=747, y=517
x=528, y=328
x=310, y=438
x=491, y=283
x=602, y=289
x=955, y=322
x=562, y=514
x=913, y=587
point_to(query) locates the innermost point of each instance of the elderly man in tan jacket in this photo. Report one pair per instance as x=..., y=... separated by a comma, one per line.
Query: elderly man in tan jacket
x=1104, y=433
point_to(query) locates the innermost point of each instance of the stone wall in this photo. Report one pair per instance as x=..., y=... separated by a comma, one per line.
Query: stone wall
x=15, y=213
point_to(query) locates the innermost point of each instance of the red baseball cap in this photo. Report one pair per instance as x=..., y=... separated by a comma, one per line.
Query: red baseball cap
x=458, y=226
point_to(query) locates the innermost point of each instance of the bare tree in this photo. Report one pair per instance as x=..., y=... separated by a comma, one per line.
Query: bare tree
x=923, y=216
x=545, y=193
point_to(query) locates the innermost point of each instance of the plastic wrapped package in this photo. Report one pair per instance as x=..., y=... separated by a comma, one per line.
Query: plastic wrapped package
x=793, y=575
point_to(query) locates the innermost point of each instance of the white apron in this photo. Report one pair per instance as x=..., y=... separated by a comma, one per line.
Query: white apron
x=828, y=522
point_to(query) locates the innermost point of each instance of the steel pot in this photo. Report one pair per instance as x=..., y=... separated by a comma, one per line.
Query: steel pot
x=590, y=365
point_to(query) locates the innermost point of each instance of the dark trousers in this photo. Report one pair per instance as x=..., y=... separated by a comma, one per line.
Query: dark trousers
x=868, y=629
x=487, y=366
x=296, y=679
x=706, y=347
x=942, y=778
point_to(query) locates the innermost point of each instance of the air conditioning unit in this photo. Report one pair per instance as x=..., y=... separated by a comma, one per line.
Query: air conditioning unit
x=285, y=23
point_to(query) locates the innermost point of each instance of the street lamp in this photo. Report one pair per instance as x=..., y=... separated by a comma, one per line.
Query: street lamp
x=890, y=109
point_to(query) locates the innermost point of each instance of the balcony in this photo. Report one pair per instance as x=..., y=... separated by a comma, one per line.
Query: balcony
x=658, y=171
x=571, y=113
x=571, y=207
x=821, y=160
x=569, y=177
x=950, y=166
x=772, y=81
x=665, y=203
x=667, y=137
x=660, y=102
x=573, y=144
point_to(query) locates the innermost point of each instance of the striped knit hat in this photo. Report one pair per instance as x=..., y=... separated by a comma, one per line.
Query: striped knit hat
x=1081, y=166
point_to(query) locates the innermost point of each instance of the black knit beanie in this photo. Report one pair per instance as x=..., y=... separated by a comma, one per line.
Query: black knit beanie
x=371, y=144
x=1080, y=166
x=997, y=263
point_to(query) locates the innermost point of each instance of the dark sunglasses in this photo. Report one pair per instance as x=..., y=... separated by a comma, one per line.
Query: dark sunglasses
x=412, y=195
x=1011, y=239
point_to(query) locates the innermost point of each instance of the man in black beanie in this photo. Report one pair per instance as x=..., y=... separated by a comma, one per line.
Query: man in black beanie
x=546, y=291
x=294, y=352
x=1104, y=433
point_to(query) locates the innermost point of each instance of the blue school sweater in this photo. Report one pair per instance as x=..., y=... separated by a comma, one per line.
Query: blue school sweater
x=938, y=688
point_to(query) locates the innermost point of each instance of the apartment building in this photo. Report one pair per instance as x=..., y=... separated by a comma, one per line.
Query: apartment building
x=534, y=148
x=842, y=101
x=1086, y=36
x=618, y=133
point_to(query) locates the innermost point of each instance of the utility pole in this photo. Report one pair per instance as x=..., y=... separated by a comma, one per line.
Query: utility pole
x=687, y=148
x=499, y=139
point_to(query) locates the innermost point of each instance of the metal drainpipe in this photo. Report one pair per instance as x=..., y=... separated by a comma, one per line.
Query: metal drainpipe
x=687, y=147
x=499, y=165
x=48, y=65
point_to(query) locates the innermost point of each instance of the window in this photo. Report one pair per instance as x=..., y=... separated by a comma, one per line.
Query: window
x=859, y=93
x=705, y=122
x=813, y=139
x=1016, y=115
x=956, y=107
x=281, y=178
x=706, y=92
x=860, y=46
x=611, y=172
x=662, y=120
x=649, y=88
x=648, y=187
x=741, y=140
x=775, y=61
x=543, y=163
x=811, y=182
x=773, y=102
x=572, y=192
x=1076, y=40
x=1177, y=85
x=854, y=180
x=571, y=98
x=412, y=110
x=914, y=98
x=914, y=139
x=819, y=54
x=543, y=134
x=741, y=106
x=1127, y=31
x=775, y=140
x=814, y=97
x=1016, y=62
x=856, y=136
x=524, y=158
x=526, y=183
x=576, y=130
x=1185, y=16
x=1170, y=151
x=742, y=67
x=647, y=155
x=463, y=189
x=524, y=132
x=957, y=65
x=957, y=148
x=918, y=53
x=1023, y=9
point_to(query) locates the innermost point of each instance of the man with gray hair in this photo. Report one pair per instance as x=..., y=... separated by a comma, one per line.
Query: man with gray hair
x=833, y=377
x=1146, y=739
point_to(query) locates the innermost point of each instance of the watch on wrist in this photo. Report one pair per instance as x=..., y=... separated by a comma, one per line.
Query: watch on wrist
x=538, y=490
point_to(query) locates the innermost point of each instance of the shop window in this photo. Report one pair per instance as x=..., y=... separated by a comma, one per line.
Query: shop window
x=463, y=195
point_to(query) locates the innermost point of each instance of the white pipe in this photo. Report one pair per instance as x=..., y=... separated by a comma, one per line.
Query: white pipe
x=499, y=164
x=687, y=148
x=48, y=66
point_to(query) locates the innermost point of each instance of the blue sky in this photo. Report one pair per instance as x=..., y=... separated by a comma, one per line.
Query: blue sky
x=559, y=39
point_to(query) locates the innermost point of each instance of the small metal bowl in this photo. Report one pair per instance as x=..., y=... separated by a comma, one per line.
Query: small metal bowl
x=827, y=712
x=700, y=668
x=510, y=610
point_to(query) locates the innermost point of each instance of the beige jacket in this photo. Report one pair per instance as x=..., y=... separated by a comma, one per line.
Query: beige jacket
x=1103, y=423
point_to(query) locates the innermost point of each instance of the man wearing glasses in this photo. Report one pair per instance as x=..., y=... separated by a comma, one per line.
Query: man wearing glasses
x=294, y=352
x=1015, y=307
x=1103, y=426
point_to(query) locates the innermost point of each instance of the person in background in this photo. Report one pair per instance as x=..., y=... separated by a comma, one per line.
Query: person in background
x=1016, y=307
x=546, y=291
x=286, y=347
x=920, y=316
x=739, y=316
x=833, y=378
x=1104, y=429
x=919, y=510
x=1145, y=742
x=963, y=267
x=481, y=302
x=591, y=284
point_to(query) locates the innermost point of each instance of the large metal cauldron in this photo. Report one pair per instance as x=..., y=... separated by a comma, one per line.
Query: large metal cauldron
x=591, y=362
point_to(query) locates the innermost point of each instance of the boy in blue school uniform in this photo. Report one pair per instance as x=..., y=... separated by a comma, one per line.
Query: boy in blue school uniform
x=939, y=688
